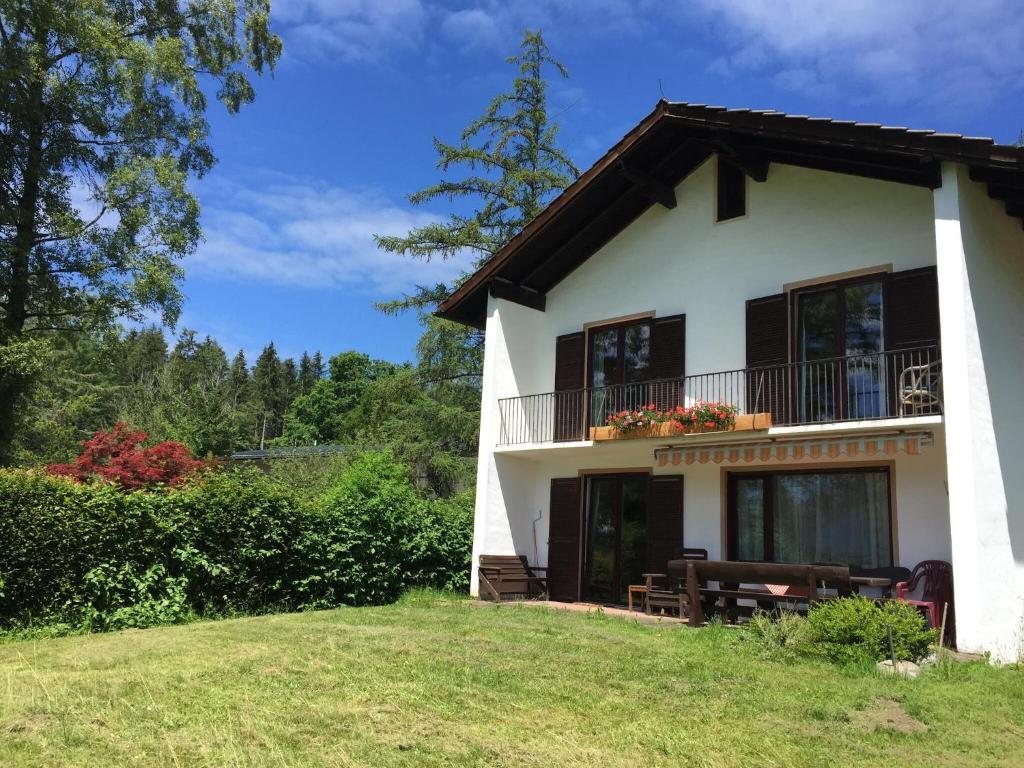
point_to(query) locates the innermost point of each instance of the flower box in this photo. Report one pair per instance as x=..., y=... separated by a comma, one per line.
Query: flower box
x=745, y=422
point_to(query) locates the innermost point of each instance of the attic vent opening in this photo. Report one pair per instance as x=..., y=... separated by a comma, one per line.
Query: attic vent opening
x=732, y=191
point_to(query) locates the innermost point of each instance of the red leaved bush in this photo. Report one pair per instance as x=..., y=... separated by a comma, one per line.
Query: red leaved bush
x=118, y=456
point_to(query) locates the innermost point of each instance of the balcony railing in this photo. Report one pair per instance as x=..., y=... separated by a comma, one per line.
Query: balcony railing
x=853, y=388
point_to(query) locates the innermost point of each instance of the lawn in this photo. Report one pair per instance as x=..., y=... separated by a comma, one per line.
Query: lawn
x=431, y=683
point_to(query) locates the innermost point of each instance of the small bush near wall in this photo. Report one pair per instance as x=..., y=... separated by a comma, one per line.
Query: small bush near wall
x=95, y=558
x=854, y=630
x=848, y=631
x=784, y=635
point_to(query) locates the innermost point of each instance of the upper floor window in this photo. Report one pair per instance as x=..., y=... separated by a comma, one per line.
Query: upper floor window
x=732, y=191
x=620, y=354
x=840, y=325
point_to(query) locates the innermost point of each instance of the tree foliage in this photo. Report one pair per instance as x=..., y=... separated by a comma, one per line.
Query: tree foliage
x=102, y=122
x=513, y=168
x=119, y=456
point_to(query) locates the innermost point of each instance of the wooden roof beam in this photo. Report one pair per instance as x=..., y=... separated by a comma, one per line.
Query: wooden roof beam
x=656, y=189
x=505, y=289
x=1007, y=178
x=1007, y=194
x=751, y=163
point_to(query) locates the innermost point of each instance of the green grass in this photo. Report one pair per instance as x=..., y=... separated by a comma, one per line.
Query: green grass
x=430, y=683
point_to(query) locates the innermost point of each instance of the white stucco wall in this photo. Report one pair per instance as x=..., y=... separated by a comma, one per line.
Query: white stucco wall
x=919, y=497
x=981, y=302
x=801, y=224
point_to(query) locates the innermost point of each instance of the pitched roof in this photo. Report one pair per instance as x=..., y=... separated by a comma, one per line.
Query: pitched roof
x=644, y=167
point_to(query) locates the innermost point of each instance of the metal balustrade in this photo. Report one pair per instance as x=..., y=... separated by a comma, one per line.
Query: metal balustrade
x=881, y=385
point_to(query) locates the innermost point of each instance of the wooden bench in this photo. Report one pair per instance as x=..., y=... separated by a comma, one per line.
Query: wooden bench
x=510, y=576
x=806, y=582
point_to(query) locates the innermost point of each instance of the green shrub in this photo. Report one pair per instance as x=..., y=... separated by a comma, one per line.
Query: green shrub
x=236, y=538
x=122, y=598
x=853, y=630
x=377, y=536
x=53, y=532
x=93, y=558
x=782, y=635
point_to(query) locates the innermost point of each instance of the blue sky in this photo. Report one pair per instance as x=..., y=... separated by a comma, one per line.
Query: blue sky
x=342, y=132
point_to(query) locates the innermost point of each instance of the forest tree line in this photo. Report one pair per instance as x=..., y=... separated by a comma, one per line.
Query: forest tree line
x=191, y=392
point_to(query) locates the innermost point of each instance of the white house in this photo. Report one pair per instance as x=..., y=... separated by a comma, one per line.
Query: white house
x=862, y=284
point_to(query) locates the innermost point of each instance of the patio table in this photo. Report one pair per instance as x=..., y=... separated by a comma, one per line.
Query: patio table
x=880, y=582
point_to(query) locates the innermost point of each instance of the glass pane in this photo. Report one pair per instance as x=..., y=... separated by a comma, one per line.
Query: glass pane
x=605, y=398
x=817, y=329
x=605, y=356
x=601, y=540
x=635, y=392
x=638, y=353
x=750, y=518
x=864, y=373
x=633, y=550
x=817, y=339
x=834, y=517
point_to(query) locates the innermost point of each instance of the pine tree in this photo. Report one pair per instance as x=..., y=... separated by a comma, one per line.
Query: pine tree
x=514, y=169
x=311, y=370
x=270, y=393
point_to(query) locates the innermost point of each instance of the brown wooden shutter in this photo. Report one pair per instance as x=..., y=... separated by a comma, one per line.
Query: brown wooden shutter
x=668, y=360
x=768, y=387
x=911, y=309
x=564, y=539
x=664, y=521
x=570, y=370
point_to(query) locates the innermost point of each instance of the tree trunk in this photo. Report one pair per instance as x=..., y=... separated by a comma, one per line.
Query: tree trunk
x=16, y=307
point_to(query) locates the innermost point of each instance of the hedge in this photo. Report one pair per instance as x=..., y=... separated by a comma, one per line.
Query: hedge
x=93, y=557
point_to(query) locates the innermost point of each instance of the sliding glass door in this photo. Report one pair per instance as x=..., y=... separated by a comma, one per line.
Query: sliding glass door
x=620, y=367
x=616, y=536
x=839, y=348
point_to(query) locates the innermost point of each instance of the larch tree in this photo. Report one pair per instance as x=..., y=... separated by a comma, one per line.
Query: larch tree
x=102, y=122
x=514, y=167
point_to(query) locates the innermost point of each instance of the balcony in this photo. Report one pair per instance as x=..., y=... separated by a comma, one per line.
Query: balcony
x=884, y=385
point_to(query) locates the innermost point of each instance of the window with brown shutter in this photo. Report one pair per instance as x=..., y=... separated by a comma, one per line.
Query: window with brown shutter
x=664, y=521
x=911, y=309
x=668, y=359
x=570, y=362
x=768, y=352
x=564, y=539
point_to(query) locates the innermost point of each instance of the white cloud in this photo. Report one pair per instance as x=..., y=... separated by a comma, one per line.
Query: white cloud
x=283, y=230
x=355, y=30
x=497, y=22
x=910, y=50
x=472, y=28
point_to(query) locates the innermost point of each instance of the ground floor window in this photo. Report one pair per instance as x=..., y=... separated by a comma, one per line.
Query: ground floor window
x=811, y=516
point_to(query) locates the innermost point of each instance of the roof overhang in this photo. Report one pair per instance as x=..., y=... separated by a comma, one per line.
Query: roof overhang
x=646, y=165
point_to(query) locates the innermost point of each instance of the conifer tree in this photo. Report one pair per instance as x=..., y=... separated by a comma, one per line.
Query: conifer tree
x=514, y=167
x=271, y=393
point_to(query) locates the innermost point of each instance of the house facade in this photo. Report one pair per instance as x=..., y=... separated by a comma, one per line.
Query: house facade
x=860, y=287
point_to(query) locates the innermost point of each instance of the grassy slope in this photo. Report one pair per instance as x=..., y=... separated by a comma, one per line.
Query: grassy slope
x=455, y=684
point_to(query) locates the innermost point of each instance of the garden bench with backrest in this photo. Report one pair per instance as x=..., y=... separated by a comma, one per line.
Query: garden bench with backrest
x=773, y=583
x=510, y=576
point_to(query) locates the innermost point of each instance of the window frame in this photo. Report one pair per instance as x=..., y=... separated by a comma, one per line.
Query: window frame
x=620, y=348
x=768, y=513
x=838, y=287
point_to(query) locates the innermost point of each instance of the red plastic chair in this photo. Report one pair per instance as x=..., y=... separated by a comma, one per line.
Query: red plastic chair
x=936, y=591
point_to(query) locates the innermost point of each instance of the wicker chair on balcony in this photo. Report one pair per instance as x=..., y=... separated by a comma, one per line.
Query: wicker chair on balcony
x=920, y=389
